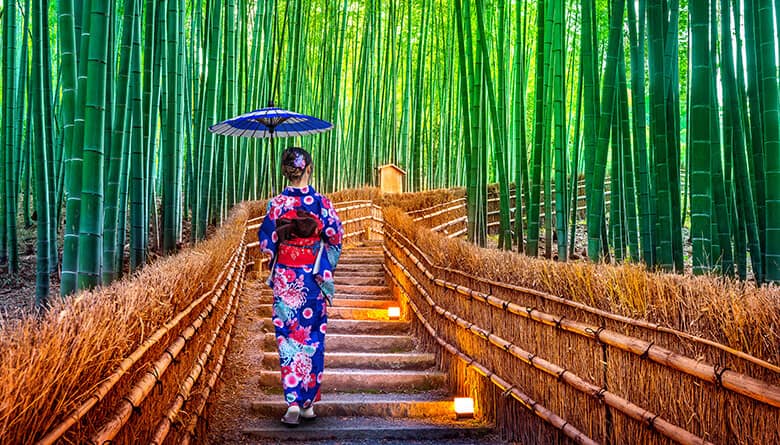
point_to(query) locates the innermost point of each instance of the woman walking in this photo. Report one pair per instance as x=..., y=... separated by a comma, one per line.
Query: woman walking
x=302, y=233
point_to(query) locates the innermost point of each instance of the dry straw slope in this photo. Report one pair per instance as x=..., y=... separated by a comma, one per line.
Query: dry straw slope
x=739, y=315
x=50, y=365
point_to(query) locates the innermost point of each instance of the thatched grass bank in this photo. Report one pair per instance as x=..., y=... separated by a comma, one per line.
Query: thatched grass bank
x=54, y=365
x=622, y=355
x=613, y=354
x=136, y=361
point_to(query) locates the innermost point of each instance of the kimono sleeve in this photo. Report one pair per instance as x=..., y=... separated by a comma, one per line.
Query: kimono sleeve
x=267, y=234
x=333, y=232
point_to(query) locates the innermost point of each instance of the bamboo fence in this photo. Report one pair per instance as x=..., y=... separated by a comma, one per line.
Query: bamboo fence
x=137, y=362
x=157, y=371
x=549, y=369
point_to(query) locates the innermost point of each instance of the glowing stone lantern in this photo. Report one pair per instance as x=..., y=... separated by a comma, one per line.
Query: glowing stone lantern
x=394, y=312
x=464, y=407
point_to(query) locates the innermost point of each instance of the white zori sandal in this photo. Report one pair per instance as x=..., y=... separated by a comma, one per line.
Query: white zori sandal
x=308, y=414
x=292, y=417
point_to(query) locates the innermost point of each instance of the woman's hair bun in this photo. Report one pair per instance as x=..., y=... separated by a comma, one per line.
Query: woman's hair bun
x=294, y=162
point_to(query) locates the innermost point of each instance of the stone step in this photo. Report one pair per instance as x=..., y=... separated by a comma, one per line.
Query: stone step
x=349, y=296
x=397, y=405
x=349, y=268
x=371, y=247
x=350, y=280
x=356, y=327
x=369, y=254
x=363, y=290
x=360, y=273
x=368, y=429
x=347, y=379
x=378, y=261
x=356, y=343
x=363, y=360
x=339, y=312
x=373, y=303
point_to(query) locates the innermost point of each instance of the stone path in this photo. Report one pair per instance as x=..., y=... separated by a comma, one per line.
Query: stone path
x=378, y=388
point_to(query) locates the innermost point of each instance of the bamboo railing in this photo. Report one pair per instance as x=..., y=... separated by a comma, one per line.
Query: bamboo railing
x=158, y=393
x=144, y=396
x=606, y=377
x=545, y=368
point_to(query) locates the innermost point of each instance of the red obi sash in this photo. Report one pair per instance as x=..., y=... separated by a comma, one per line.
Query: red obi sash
x=298, y=252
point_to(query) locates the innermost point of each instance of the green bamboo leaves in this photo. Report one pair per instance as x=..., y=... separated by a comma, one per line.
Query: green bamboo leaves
x=677, y=141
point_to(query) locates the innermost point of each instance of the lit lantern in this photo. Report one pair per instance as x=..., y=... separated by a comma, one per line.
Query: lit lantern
x=464, y=407
x=394, y=312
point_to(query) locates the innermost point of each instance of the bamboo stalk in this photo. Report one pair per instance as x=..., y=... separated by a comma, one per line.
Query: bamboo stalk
x=745, y=385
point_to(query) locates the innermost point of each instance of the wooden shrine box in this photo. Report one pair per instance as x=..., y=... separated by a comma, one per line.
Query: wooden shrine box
x=391, y=178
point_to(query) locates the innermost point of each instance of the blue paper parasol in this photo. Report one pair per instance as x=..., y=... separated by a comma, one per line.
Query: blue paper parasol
x=271, y=122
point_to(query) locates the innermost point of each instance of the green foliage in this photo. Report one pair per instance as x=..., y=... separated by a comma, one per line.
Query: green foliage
x=457, y=93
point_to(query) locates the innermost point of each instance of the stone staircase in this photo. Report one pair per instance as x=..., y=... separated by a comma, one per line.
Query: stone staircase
x=377, y=387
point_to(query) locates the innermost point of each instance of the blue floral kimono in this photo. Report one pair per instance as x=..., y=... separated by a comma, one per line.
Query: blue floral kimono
x=302, y=281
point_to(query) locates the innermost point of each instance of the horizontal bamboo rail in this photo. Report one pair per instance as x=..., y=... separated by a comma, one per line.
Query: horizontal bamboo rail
x=344, y=204
x=448, y=203
x=623, y=405
x=164, y=426
x=189, y=431
x=655, y=327
x=108, y=384
x=442, y=226
x=357, y=220
x=536, y=408
x=460, y=232
x=742, y=384
x=595, y=311
x=440, y=212
x=146, y=383
x=345, y=208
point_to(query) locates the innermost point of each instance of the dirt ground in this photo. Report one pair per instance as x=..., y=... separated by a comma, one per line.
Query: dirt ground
x=17, y=293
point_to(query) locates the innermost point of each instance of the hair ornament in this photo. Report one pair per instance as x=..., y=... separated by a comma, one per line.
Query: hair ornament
x=300, y=161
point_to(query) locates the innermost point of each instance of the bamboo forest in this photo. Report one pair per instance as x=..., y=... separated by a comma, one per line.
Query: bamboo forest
x=546, y=222
x=663, y=116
